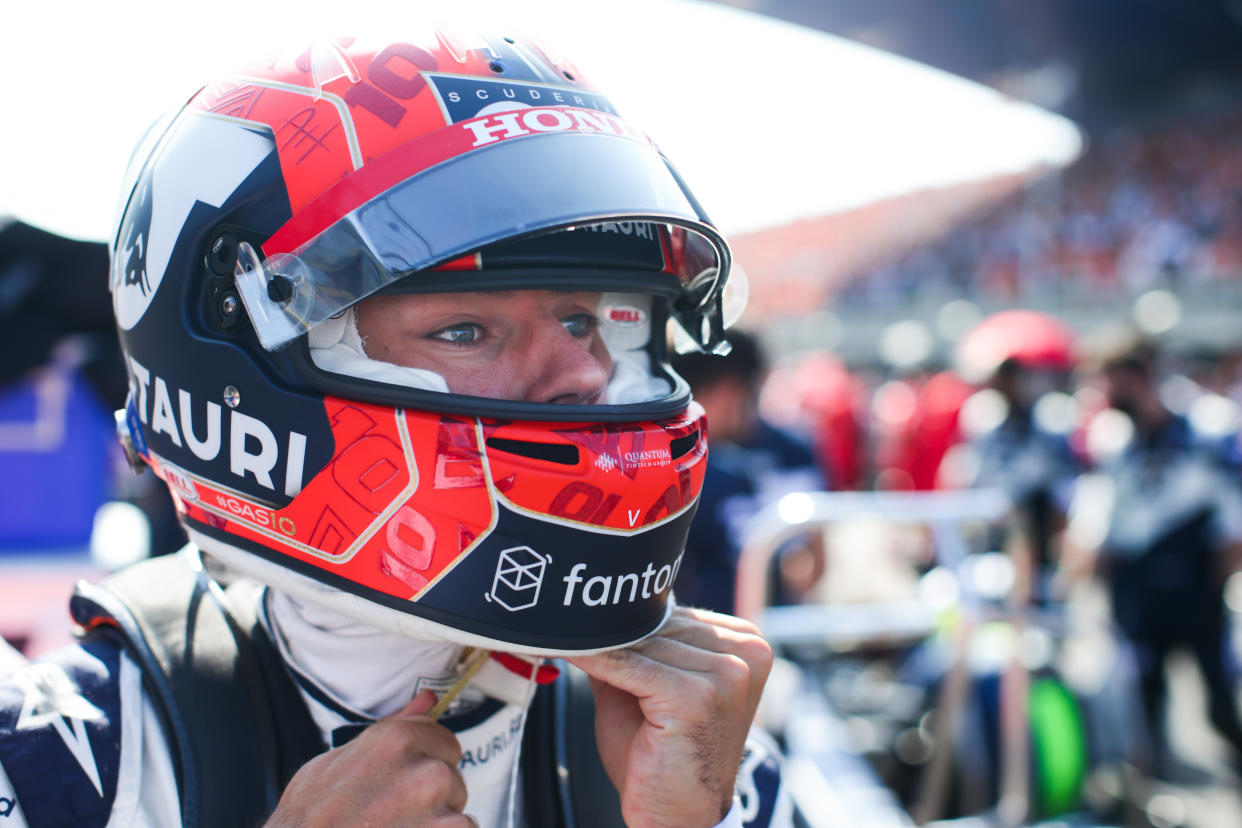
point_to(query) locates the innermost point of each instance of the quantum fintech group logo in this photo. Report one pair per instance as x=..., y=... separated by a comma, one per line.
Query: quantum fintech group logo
x=518, y=578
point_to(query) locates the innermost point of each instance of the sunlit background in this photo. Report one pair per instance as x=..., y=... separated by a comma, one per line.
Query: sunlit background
x=890, y=173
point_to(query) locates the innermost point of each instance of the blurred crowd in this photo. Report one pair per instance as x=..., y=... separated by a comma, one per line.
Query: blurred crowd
x=1122, y=463
x=1147, y=205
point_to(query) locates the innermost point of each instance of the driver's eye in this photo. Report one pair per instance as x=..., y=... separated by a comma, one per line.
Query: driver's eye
x=466, y=333
x=581, y=325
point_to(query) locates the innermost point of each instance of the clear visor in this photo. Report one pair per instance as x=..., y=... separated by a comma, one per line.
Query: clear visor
x=528, y=346
x=504, y=191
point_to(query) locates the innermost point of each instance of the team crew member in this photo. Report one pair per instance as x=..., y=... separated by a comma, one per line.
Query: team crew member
x=396, y=343
x=1022, y=361
x=753, y=462
x=1161, y=520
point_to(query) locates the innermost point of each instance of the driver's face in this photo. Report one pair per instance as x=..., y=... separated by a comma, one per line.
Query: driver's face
x=522, y=345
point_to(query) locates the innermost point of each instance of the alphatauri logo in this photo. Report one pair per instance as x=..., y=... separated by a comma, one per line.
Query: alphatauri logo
x=251, y=445
x=131, y=259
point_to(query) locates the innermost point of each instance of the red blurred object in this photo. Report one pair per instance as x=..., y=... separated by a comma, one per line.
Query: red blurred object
x=1034, y=339
x=833, y=398
x=819, y=396
x=940, y=404
x=917, y=423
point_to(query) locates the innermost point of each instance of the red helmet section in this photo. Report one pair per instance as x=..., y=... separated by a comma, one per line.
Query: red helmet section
x=374, y=99
x=345, y=139
x=407, y=494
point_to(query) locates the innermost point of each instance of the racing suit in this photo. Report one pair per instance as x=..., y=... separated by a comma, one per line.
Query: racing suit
x=86, y=741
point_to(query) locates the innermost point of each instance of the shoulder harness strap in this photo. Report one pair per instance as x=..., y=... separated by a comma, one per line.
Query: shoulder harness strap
x=565, y=781
x=213, y=675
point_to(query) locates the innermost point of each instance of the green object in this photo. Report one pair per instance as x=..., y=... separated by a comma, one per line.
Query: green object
x=1060, y=747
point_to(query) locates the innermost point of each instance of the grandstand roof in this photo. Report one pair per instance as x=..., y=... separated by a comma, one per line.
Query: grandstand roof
x=769, y=122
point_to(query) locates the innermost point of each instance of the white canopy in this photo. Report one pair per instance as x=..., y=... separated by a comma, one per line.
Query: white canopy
x=768, y=122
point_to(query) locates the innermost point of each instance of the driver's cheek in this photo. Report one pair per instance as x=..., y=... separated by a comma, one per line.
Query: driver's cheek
x=494, y=380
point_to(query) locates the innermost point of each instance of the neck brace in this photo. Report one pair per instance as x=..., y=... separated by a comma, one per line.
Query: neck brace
x=360, y=673
x=336, y=346
x=366, y=670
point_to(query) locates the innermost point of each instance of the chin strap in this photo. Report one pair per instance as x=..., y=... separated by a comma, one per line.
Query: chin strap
x=473, y=659
x=498, y=675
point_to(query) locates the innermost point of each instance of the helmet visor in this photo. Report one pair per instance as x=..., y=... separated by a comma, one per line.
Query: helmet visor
x=585, y=348
x=501, y=191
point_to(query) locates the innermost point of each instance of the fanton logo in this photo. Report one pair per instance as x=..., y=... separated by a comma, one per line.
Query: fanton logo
x=519, y=575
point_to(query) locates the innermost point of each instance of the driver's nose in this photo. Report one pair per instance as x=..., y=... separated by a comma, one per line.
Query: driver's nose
x=565, y=370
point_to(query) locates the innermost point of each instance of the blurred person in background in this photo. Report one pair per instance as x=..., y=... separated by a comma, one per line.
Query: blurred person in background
x=1016, y=428
x=1160, y=521
x=753, y=462
x=914, y=411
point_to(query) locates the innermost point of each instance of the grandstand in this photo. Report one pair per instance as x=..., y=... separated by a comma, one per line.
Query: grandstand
x=1150, y=206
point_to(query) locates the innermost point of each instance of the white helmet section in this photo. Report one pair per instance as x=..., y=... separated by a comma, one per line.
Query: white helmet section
x=161, y=203
x=625, y=327
x=336, y=346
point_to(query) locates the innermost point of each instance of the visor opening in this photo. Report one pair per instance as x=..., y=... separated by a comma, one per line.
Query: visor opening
x=683, y=445
x=549, y=452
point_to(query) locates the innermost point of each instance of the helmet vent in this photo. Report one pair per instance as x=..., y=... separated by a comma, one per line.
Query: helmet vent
x=551, y=452
x=682, y=445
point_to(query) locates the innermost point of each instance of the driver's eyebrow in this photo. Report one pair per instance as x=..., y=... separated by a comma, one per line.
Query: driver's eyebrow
x=508, y=294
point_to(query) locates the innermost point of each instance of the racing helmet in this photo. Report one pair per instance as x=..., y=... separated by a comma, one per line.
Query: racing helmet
x=257, y=218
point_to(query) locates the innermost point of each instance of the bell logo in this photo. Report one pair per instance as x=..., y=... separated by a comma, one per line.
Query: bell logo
x=519, y=575
x=624, y=316
x=180, y=480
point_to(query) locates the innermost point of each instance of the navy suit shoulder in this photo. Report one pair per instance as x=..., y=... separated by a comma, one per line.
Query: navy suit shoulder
x=759, y=785
x=61, y=737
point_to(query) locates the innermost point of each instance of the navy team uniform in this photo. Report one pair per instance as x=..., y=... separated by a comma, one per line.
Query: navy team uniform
x=79, y=727
x=1176, y=506
x=740, y=480
x=1036, y=469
